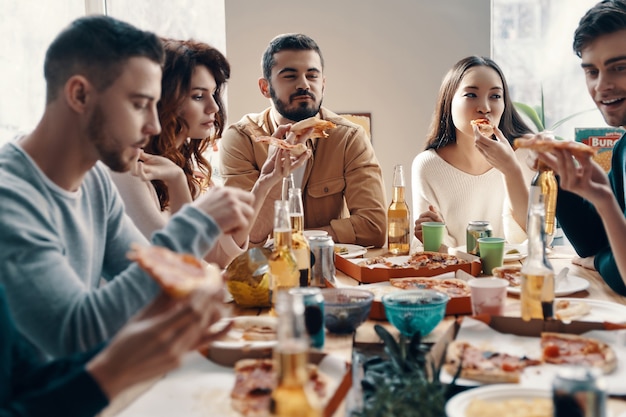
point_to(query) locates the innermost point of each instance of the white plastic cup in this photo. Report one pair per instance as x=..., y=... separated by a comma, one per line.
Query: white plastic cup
x=488, y=295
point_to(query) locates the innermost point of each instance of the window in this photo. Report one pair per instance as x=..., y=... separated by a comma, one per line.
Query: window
x=28, y=26
x=26, y=29
x=532, y=43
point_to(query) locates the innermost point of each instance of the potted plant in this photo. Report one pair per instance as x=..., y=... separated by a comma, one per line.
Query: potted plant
x=405, y=383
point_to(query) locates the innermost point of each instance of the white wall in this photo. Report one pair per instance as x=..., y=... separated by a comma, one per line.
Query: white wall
x=384, y=57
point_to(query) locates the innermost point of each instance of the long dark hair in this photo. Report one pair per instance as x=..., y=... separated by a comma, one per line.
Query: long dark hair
x=442, y=131
x=181, y=58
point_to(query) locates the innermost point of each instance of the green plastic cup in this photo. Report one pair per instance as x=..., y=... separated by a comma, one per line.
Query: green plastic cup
x=491, y=253
x=432, y=233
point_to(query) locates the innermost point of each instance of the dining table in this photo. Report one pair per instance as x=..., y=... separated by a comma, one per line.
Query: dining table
x=341, y=346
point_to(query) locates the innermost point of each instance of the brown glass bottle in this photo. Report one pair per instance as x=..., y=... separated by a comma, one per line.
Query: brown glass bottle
x=292, y=397
x=537, y=288
x=398, y=217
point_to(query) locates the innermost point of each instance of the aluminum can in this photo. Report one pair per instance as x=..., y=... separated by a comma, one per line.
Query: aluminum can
x=313, y=313
x=322, y=260
x=578, y=391
x=475, y=230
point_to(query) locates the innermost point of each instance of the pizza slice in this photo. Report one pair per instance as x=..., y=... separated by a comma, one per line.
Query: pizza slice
x=319, y=127
x=571, y=349
x=484, y=127
x=178, y=274
x=295, y=149
x=512, y=273
x=484, y=365
x=255, y=379
x=548, y=145
x=568, y=310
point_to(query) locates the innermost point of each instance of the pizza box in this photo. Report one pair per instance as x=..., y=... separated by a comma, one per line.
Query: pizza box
x=602, y=139
x=378, y=273
x=456, y=305
x=510, y=327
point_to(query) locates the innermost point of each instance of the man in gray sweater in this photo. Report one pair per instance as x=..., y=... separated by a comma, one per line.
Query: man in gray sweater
x=62, y=222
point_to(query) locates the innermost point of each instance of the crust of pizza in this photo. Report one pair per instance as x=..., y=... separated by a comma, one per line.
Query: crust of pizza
x=295, y=149
x=475, y=366
x=566, y=310
x=319, y=127
x=511, y=273
x=484, y=126
x=178, y=274
x=561, y=348
x=548, y=145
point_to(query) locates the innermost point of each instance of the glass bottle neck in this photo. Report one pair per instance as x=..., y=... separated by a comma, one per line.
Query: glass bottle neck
x=398, y=194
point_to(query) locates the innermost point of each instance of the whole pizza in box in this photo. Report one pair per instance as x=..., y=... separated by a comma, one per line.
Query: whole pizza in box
x=421, y=264
x=602, y=139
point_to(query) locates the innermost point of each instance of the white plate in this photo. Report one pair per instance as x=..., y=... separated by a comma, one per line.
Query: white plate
x=234, y=338
x=457, y=405
x=522, y=252
x=565, y=286
x=201, y=388
x=353, y=250
x=602, y=310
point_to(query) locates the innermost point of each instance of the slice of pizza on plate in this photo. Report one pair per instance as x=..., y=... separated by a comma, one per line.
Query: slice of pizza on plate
x=485, y=365
x=572, y=349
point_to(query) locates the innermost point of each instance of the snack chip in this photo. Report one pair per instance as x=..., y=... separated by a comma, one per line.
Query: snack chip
x=248, y=280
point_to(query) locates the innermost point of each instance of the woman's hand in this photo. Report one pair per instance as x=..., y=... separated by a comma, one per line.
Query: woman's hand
x=432, y=215
x=155, y=167
x=498, y=152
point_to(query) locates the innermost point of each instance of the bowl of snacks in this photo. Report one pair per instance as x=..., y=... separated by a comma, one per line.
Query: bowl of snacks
x=415, y=310
x=345, y=309
x=248, y=280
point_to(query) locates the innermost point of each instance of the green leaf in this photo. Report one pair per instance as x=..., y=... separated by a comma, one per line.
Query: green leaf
x=532, y=115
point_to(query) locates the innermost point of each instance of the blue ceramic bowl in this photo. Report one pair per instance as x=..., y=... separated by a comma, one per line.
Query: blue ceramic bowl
x=415, y=310
x=345, y=309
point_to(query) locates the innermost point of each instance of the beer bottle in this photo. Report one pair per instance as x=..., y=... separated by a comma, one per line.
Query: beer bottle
x=544, y=184
x=283, y=268
x=398, y=217
x=299, y=245
x=537, y=289
x=287, y=185
x=293, y=396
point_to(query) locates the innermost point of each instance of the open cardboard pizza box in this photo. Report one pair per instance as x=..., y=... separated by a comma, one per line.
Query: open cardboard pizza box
x=512, y=335
x=380, y=272
x=456, y=305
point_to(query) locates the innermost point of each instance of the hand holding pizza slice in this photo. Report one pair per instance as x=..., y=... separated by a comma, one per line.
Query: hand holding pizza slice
x=548, y=145
x=484, y=127
x=178, y=274
x=318, y=127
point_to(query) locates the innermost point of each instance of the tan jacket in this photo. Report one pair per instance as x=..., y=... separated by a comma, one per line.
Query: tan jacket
x=342, y=183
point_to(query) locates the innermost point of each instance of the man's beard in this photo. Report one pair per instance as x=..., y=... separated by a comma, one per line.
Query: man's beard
x=301, y=111
x=108, y=152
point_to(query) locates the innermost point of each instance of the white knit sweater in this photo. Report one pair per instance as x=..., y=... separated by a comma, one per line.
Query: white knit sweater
x=461, y=197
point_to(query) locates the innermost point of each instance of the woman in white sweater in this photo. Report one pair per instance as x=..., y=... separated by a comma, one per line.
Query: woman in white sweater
x=172, y=170
x=463, y=175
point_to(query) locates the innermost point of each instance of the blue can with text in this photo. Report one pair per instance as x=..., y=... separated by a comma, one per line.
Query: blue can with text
x=313, y=313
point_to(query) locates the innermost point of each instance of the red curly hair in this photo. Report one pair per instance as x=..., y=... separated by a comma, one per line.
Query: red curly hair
x=181, y=58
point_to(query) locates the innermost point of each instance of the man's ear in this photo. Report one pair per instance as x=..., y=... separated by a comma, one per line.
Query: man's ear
x=264, y=86
x=77, y=91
